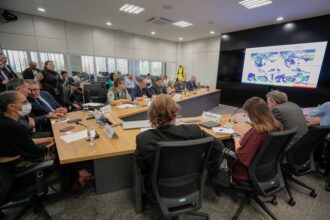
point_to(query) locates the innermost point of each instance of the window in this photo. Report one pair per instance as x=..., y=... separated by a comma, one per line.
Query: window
x=57, y=58
x=87, y=63
x=100, y=64
x=156, y=68
x=144, y=67
x=17, y=60
x=111, y=65
x=34, y=57
x=122, y=65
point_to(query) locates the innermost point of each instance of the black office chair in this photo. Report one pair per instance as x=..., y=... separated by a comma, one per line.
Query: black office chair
x=177, y=177
x=30, y=195
x=95, y=92
x=265, y=173
x=300, y=158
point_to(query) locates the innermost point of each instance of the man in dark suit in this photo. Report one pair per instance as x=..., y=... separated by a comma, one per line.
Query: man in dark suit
x=31, y=72
x=3, y=78
x=42, y=101
x=73, y=96
x=158, y=88
x=162, y=115
x=191, y=84
x=6, y=68
x=288, y=113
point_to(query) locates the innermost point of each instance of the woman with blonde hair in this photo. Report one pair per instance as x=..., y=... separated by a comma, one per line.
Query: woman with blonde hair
x=246, y=145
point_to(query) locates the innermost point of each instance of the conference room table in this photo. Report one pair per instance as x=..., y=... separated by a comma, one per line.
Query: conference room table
x=112, y=158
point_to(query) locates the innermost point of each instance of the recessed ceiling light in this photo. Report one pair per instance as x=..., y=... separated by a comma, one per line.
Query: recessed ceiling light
x=132, y=9
x=180, y=38
x=108, y=23
x=182, y=24
x=279, y=19
x=212, y=32
x=153, y=33
x=41, y=9
x=225, y=36
x=249, y=4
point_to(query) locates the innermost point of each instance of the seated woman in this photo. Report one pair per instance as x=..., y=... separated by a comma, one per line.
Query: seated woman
x=118, y=93
x=246, y=145
x=162, y=114
x=16, y=140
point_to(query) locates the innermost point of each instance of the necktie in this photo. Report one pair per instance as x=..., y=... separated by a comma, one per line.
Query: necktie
x=45, y=105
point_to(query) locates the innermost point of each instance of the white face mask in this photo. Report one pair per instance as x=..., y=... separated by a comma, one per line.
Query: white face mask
x=26, y=109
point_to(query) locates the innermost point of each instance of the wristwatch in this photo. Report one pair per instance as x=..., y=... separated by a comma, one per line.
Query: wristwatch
x=234, y=135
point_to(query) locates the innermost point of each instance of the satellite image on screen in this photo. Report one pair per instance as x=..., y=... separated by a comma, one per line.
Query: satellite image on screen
x=295, y=65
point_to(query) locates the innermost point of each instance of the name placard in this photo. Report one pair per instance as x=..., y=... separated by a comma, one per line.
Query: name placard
x=212, y=116
x=109, y=131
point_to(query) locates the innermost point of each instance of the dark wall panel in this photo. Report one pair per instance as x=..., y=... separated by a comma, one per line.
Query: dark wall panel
x=232, y=53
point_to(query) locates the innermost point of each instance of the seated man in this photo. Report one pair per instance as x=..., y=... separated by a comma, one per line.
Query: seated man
x=191, y=85
x=140, y=91
x=43, y=102
x=73, y=96
x=162, y=114
x=323, y=111
x=158, y=88
x=130, y=82
x=118, y=93
x=33, y=124
x=179, y=85
x=288, y=113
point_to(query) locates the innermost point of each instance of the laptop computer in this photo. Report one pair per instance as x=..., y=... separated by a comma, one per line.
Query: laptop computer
x=136, y=124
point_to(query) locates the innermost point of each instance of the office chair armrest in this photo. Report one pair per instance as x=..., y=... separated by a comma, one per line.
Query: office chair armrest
x=36, y=168
x=229, y=153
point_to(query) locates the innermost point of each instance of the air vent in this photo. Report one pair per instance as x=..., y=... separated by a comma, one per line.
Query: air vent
x=159, y=21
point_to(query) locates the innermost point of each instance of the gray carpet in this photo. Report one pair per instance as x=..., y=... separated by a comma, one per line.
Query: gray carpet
x=120, y=205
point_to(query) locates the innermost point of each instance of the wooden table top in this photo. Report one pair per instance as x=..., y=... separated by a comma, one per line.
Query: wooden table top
x=122, y=113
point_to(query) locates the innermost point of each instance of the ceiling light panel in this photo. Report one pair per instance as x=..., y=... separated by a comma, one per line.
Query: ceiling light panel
x=250, y=4
x=131, y=9
x=182, y=24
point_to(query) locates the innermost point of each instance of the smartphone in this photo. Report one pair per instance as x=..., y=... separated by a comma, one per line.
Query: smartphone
x=67, y=129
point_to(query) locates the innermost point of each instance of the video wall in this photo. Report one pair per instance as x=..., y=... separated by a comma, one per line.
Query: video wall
x=293, y=57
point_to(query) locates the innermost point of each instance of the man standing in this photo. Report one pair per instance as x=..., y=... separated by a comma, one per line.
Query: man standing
x=118, y=93
x=6, y=68
x=32, y=71
x=288, y=113
x=3, y=78
x=140, y=92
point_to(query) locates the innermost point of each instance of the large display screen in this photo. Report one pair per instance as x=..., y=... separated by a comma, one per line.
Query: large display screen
x=294, y=65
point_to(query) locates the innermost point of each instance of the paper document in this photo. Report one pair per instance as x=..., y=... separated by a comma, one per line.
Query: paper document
x=145, y=129
x=221, y=130
x=75, y=136
x=126, y=106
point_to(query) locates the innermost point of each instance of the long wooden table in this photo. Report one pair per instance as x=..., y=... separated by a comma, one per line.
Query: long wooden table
x=112, y=158
x=192, y=104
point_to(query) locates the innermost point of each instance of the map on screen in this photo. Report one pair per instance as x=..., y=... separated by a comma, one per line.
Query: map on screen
x=295, y=65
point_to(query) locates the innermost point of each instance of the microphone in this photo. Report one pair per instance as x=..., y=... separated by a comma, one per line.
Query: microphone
x=78, y=123
x=232, y=118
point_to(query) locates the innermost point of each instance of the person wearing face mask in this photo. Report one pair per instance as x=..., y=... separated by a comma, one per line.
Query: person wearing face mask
x=15, y=139
x=51, y=82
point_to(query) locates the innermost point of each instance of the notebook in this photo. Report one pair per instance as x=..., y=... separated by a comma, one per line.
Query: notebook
x=136, y=124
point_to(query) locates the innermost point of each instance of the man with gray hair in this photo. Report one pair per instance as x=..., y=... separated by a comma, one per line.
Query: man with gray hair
x=288, y=113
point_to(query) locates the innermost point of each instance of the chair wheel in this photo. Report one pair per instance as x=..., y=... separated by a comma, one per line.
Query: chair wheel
x=313, y=194
x=274, y=201
x=292, y=202
x=327, y=187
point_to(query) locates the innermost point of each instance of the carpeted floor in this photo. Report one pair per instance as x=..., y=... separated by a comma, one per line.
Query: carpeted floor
x=120, y=205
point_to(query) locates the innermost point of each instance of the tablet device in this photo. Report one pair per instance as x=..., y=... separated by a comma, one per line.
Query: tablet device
x=209, y=124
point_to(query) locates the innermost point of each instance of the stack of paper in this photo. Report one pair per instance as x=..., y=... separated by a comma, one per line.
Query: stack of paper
x=222, y=130
x=75, y=136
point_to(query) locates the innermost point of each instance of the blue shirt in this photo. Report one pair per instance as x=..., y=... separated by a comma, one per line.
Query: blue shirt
x=130, y=83
x=191, y=85
x=323, y=111
x=137, y=92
